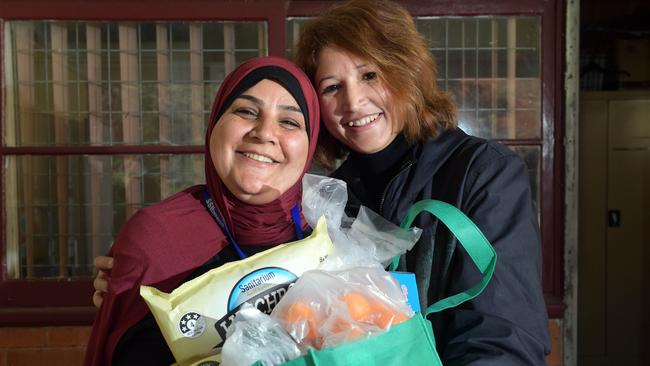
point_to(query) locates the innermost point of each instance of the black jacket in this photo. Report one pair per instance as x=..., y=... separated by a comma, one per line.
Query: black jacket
x=507, y=323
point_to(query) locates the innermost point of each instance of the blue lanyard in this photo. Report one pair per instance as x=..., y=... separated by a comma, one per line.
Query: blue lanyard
x=212, y=209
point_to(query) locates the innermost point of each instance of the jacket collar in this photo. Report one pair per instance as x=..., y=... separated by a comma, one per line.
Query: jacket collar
x=419, y=166
x=426, y=159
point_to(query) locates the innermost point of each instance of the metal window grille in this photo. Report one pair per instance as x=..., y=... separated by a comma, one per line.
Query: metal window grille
x=119, y=85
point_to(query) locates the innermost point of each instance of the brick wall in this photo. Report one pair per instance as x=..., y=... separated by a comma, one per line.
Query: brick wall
x=51, y=346
x=64, y=346
x=555, y=330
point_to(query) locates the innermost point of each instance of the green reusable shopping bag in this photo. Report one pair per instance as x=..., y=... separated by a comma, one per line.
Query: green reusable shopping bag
x=412, y=342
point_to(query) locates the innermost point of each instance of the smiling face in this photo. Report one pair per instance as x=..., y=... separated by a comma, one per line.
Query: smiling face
x=259, y=145
x=355, y=105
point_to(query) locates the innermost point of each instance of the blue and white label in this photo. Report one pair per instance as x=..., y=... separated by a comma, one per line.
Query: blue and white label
x=257, y=282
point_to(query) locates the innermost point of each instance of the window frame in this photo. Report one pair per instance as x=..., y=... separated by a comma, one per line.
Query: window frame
x=67, y=301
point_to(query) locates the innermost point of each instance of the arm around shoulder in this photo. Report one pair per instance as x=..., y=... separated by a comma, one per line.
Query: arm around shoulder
x=121, y=305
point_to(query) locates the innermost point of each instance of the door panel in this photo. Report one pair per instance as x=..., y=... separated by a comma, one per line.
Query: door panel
x=627, y=265
x=614, y=260
x=592, y=231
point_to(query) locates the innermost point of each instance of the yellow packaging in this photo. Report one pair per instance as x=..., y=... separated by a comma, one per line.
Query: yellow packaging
x=194, y=317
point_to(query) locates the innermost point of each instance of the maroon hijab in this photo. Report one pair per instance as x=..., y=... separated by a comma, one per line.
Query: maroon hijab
x=269, y=223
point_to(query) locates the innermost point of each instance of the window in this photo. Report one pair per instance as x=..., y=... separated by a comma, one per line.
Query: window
x=104, y=84
x=491, y=67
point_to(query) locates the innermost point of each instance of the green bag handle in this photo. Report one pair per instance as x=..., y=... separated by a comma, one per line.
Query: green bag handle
x=468, y=235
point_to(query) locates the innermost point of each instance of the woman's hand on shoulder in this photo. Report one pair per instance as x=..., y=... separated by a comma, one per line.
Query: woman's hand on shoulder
x=103, y=264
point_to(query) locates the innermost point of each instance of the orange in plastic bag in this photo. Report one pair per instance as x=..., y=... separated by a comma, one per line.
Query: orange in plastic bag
x=387, y=316
x=372, y=311
x=327, y=308
x=301, y=313
x=360, y=307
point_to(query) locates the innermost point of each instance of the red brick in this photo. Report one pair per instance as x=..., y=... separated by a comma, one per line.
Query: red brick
x=68, y=336
x=555, y=330
x=22, y=337
x=49, y=357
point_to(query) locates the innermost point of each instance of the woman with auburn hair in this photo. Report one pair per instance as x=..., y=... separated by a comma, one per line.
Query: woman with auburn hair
x=404, y=66
x=383, y=113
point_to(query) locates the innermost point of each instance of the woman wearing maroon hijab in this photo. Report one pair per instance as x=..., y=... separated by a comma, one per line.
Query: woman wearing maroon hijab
x=259, y=143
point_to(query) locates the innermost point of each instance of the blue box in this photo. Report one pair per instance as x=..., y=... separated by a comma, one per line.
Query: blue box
x=409, y=288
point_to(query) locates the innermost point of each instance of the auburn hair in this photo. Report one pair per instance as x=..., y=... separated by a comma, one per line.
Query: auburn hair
x=383, y=33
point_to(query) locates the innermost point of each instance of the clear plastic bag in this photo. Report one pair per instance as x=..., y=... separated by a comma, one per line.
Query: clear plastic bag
x=254, y=336
x=324, y=196
x=365, y=240
x=327, y=308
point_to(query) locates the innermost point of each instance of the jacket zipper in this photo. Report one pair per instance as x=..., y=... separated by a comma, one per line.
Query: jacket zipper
x=407, y=165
